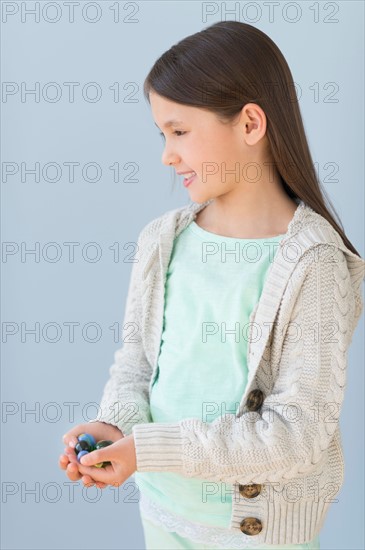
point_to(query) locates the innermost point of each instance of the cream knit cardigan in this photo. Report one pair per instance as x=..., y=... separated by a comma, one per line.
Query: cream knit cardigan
x=300, y=332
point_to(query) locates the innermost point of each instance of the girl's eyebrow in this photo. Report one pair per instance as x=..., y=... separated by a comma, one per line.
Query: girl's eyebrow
x=171, y=123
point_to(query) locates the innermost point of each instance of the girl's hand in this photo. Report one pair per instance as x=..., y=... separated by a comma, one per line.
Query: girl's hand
x=121, y=454
x=68, y=461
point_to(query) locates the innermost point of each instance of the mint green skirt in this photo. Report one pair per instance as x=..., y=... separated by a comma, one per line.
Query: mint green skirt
x=156, y=538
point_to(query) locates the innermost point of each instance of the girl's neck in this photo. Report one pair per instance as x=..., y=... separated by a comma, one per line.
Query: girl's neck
x=265, y=220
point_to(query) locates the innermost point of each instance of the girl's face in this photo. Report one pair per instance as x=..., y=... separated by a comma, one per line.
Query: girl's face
x=198, y=142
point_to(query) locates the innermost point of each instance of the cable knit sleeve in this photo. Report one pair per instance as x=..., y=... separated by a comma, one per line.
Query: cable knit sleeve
x=125, y=400
x=289, y=435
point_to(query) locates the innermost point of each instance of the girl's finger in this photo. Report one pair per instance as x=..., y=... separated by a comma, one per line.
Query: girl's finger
x=71, y=441
x=73, y=472
x=63, y=461
x=88, y=480
x=102, y=475
x=71, y=455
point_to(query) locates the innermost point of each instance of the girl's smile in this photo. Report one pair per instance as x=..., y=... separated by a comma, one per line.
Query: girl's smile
x=188, y=181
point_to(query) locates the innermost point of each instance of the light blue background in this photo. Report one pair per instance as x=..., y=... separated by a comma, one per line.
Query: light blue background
x=106, y=212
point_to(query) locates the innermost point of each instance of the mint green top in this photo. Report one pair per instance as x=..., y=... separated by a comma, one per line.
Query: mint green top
x=212, y=285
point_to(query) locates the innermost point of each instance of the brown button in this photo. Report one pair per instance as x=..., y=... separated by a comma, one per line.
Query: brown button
x=251, y=526
x=250, y=491
x=254, y=400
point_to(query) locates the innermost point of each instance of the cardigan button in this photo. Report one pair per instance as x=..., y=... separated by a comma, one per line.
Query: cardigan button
x=250, y=491
x=254, y=400
x=251, y=526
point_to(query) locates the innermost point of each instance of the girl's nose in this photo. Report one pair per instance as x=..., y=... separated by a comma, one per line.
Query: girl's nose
x=169, y=158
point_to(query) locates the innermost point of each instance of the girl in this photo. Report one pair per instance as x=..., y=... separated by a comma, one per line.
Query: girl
x=224, y=401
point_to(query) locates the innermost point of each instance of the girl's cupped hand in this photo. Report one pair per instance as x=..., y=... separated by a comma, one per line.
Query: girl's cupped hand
x=101, y=477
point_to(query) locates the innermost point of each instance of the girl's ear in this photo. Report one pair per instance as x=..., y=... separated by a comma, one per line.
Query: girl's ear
x=255, y=123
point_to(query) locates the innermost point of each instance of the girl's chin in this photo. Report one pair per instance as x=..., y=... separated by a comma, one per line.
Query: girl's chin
x=197, y=196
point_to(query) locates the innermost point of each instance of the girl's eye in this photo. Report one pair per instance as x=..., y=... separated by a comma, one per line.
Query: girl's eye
x=176, y=132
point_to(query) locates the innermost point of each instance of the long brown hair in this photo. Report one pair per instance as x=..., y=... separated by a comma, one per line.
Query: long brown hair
x=229, y=64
